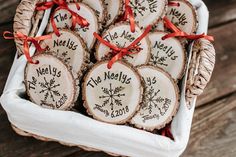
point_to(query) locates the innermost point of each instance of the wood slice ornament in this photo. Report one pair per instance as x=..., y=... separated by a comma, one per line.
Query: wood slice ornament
x=114, y=10
x=183, y=16
x=99, y=7
x=112, y=95
x=121, y=36
x=168, y=54
x=161, y=99
x=70, y=47
x=148, y=12
x=158, y=26
x=63, y=19
x=26, y=21
x=50, y=83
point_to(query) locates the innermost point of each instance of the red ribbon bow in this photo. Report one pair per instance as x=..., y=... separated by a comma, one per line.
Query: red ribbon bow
x=178, y=33
x=129, y=13
x=76, y=19
x=121, y=52
x=26, y=39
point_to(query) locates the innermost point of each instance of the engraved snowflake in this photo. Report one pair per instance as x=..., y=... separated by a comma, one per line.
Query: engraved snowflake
x=138, y=7
x=65, y=56
x=157, y=60
x=112, y=96
x=151, y=100
x=49, y=89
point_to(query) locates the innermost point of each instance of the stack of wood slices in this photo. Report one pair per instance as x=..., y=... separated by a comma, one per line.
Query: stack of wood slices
x=118, y=61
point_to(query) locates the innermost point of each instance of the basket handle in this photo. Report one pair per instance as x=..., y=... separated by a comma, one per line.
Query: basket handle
x=200, y=69
x=26, y=21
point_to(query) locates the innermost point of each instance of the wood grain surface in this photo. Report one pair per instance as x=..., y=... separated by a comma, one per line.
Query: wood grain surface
x=213, y=131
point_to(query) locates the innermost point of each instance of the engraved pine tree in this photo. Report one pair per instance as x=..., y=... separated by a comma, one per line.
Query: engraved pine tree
x=112, y=96
x=138, y=7
x=158, y=60
x=49, y=88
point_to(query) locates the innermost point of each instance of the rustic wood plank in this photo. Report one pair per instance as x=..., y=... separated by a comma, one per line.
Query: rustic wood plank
x=83, y=153
x=223, y=79
x=214, y=130
x=7, y=10
x=221, y=11
x=7, y=53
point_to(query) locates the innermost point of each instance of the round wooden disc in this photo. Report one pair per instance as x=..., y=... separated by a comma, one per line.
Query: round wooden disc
x=99, y=7
x=70, y=48
x=112, y=95
x=62, y=19
x=158, y=26
x=161, y=99
x=167, y=54
x=148, y=12
x=121, y=36
x=183, y=16
x=114, y=9
x=50, y=83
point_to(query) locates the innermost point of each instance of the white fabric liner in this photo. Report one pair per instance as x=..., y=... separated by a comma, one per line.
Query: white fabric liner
x=75, y=128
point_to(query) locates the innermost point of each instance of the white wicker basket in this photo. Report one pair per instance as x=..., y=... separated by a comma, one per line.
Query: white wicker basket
x=74, y=129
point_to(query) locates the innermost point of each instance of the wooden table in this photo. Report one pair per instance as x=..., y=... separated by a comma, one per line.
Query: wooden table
x=213, y=132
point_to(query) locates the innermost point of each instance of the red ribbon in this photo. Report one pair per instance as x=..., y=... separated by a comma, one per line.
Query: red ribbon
x=121, y=52
x=61, y=4
x=173, y=3
x=129, y=13
x=178, y=33
x=26, y=39
x=166, y=132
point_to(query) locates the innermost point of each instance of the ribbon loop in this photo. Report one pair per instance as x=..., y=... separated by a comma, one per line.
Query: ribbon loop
x=173, y=3
x=118, y=52
x=129, y=13
x=62, y=4
x=178, y=33
x=26, y=39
